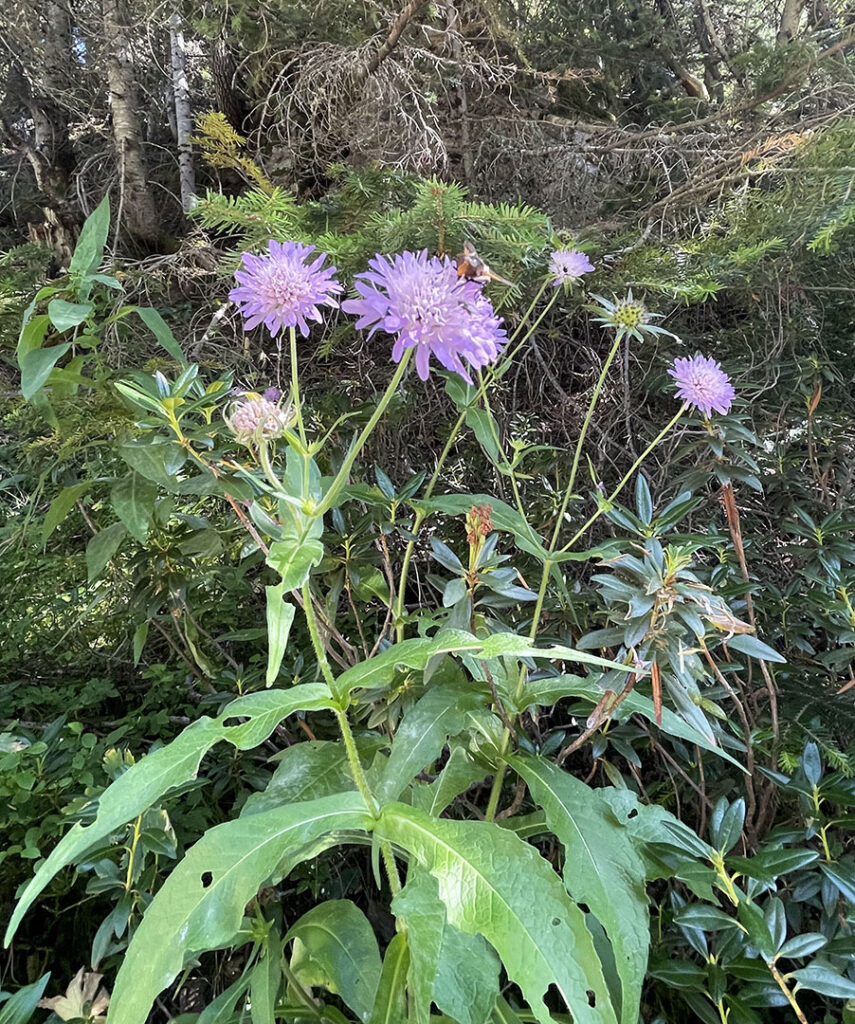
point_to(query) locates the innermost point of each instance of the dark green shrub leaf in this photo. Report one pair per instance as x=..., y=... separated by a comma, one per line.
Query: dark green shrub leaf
x=821, y=978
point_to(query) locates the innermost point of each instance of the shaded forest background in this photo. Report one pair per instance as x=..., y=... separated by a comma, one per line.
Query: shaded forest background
x=702, y=153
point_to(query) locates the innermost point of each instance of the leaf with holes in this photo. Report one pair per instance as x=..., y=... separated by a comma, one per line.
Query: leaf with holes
x=280, y=616
x=456, y=971
x=173, y=765
x=602, y=868
x=494, y=884
x=201, y=905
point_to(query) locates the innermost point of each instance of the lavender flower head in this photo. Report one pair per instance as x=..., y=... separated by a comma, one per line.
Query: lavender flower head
x=257, y=417
x=282, y=289
x=702, y=383
x=568, y=265
x=422, y=301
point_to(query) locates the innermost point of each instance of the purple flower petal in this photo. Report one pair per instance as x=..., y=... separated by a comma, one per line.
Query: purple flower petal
x=703, y=384
x=421, y=301
x=282, y=290
x=569, y=265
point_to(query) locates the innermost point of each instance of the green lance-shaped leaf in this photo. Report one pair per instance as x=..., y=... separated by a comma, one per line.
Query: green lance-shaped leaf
x=416, y=653
x=160, y=329
x=265, y=979
x=508, y=520
x=458, y=972
x=457, y=775
x=494, y=884
x=602, y=868
x=64, y=315
x=390, y=1004
x=61, y=505
x=37, y=366
x=201, y=905
x=443, y=711
x=20, y=1007
x=133, y=500
x=89, y=250
x=337, y=945
x=173, y=765
x=101, y=548
x=280, y=615
x=306, y=771
x=413, y=654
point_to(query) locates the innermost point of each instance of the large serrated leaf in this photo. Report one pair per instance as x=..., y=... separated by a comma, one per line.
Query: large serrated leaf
x=442, y=712
x=602, y=868
x=201, y=905
x=173, y=765
x=494, y=884
x=338, y=939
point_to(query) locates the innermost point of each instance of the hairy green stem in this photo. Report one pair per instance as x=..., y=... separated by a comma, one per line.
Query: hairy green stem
x=352, y=753
x=367, y=430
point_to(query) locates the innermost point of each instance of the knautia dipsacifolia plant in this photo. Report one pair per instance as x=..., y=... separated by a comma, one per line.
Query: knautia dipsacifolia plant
x=434, y=699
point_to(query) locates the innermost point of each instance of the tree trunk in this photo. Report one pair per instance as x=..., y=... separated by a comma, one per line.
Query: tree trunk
x=136, y=201
x=37, y=92
x=452, y=23
x=790, y=18
x=183, y=114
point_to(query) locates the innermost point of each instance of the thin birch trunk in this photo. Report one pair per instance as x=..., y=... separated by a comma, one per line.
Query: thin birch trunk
x=183, y=114
x=136, y=201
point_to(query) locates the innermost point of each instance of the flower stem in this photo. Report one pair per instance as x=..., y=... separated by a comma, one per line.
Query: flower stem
x=495, y=374
x=625, y=480
x=267, y=466
x=356, y=769
x=583, y=433
x=350, y=458
x=295, y=386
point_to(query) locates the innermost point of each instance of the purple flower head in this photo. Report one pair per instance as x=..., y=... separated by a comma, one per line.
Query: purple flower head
x=421, y=300
x=568, y=265
x=702, y=383
x=281, y=289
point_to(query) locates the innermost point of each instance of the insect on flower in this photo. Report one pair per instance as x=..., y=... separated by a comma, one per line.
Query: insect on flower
x=473, y=268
